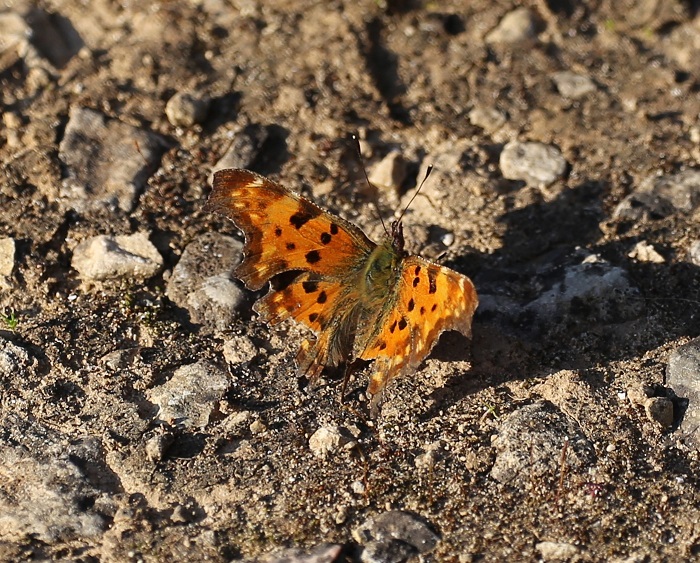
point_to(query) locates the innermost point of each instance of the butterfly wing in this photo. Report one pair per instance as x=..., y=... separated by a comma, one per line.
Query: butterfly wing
x=429, y=299
x=283, y=231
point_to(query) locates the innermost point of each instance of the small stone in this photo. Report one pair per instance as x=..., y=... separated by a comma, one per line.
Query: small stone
x=358, y=487
x=516, y=27
x=7, y=261
x=107, y=161
x=239, y=350
x=638, y=395
x=219, y=293
x=183, y=514
x=14, y=39
x=659, y=196
x=323, y=553
x=327, y=440
x=397, y=525
x=244, y=148
x=683, y=376
x=257, y=427
x=605, y=290
x=556, y=551
x=489, y=119
x=157, y=445
x=694, y=253
x=201, y=281
x=119, y=359
x=535, y=163
x=390, y=173
x=106, y=258
x=572, y=85
x=530, y=442
x=13, y=360
x=660, y=410
x=185, y=109
x=645, y=252
x=190, y=396
x=390, y=551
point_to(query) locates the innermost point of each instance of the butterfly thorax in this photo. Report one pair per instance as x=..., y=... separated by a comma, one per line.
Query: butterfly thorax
x=381, y=273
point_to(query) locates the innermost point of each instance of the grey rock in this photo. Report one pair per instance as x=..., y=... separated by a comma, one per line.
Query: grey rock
x=572, y=85
x=190, y=396
x=660, y=196
x=243, y=149
x=530, y=444
x=201, y=281
x=185, y=109
x=603, y=290
x=107, y=161
x=683, y=376
x=397, y=525
x=694, y=253
x=535, y=163
x=127, y=256
x=55, y=475
x=516, y=27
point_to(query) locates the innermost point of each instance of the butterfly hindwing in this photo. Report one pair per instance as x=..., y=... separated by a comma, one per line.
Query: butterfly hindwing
x=429, y=299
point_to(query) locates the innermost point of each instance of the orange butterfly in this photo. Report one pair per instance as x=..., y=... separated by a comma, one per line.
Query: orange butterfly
x=361, y=299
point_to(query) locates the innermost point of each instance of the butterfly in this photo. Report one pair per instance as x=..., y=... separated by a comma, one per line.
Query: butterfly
x=362, y=300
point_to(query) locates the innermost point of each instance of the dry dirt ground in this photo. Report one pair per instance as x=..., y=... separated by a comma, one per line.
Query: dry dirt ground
x=148, y=415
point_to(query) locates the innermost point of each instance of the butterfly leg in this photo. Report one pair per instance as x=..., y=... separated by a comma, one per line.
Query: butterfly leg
x=377, y=383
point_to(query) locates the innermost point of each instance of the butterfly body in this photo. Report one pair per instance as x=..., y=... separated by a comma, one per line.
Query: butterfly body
x=361, y=299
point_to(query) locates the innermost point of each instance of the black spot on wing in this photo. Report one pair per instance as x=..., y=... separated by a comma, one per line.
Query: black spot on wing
x=290, y=246
x=402, y=324
x=278, y=232
x=322, y=297
x=309, y=286
x=411, y=305
x=431, y=281
x=325, y=238
x=313, y=317
x=416, y=280
x=313, y=256
x=334, y=229
x=301, y=217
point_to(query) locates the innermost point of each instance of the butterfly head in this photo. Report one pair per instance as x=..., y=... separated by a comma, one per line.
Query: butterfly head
x=397, y=240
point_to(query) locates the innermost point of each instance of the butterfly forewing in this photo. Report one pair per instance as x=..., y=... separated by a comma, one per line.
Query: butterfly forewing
x=284, y=231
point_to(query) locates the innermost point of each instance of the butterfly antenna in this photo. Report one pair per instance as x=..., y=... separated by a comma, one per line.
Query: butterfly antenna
x=364, y=171
x=427, y=173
